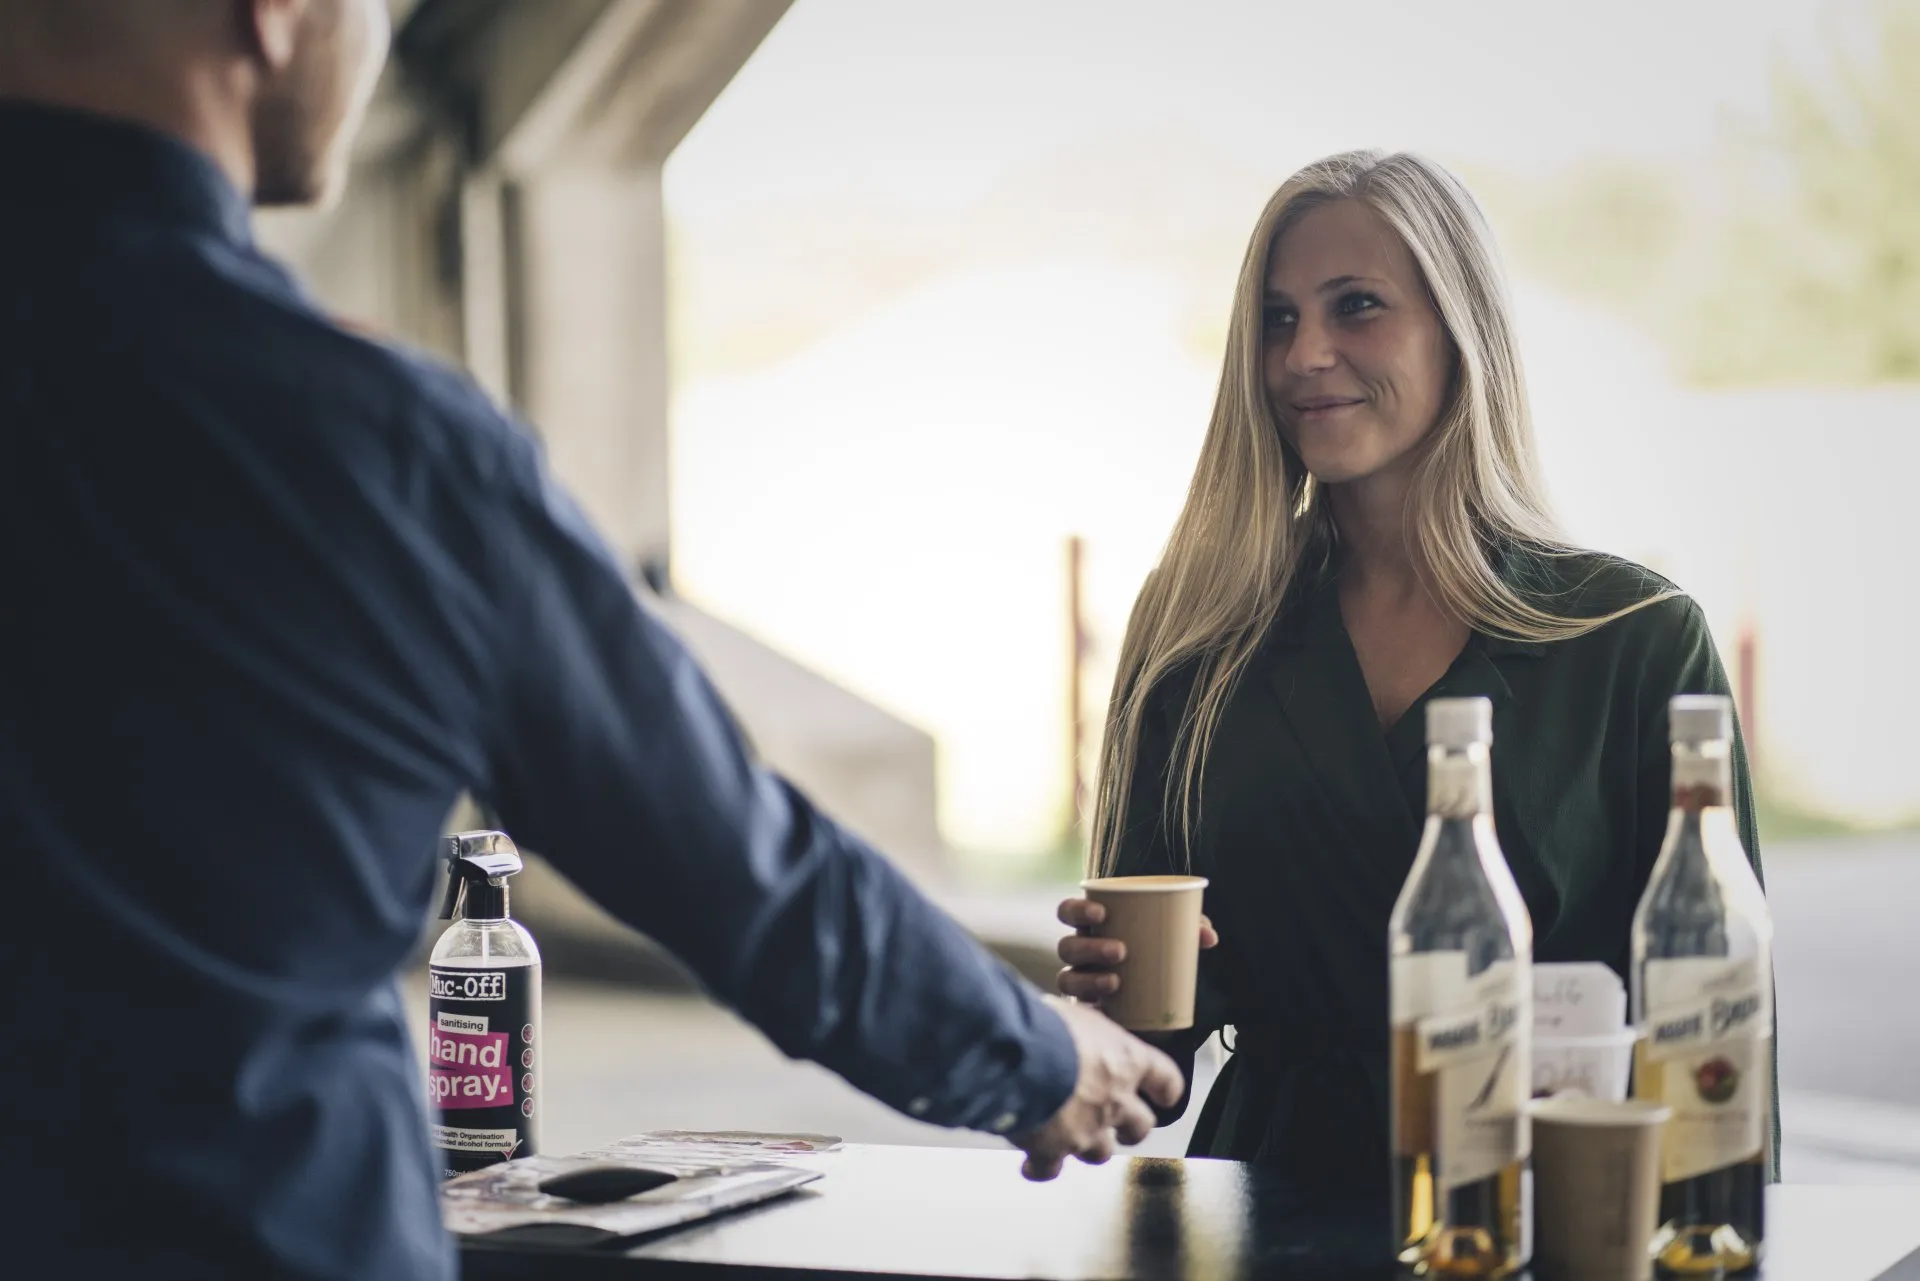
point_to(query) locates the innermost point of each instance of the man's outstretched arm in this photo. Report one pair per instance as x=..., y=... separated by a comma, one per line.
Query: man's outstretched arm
x=615, y=758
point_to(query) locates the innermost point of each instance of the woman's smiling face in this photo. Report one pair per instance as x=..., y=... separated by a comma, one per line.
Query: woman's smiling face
x=1357, y=362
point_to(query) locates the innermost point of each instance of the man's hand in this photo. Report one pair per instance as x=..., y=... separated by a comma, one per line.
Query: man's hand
x=1116, y=1068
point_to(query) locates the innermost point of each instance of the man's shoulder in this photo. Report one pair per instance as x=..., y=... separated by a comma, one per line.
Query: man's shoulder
x=439, y=405
x=241, y=327
x=361, y=387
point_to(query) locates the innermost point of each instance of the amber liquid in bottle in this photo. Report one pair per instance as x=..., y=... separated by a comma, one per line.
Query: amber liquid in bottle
x=1476, y=1232
x=1713, y=1223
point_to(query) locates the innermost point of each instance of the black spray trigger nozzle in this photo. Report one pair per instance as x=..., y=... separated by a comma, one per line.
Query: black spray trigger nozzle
x=477, y=858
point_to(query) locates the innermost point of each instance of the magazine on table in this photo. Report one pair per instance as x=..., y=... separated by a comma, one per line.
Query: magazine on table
x=713, y=1172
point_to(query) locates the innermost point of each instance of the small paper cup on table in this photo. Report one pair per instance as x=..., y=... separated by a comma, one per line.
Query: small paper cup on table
x=1596, y=1171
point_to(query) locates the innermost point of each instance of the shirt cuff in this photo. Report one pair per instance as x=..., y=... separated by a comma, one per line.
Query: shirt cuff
x=1014, y=1083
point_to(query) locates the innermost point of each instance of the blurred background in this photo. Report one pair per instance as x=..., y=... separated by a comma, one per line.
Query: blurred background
x=880, y=338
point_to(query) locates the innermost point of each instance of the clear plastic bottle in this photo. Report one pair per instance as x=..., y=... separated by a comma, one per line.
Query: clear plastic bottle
x=1461, y=953
x=1703, y=1004
x=483, y=1013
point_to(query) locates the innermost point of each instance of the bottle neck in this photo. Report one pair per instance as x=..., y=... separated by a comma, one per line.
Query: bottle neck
x=1459, y=782
x=485, y=900
x=1702, y=775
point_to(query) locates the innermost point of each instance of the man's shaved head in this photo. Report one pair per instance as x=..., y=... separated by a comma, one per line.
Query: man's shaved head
x=272, y=88
x=91, y=26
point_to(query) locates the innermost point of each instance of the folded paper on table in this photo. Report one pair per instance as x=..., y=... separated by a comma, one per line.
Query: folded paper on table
x=716, y=1172
x=1581, y=1043
x=1599, y=1066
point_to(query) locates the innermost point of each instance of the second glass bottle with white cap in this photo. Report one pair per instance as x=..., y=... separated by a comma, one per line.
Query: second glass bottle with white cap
x=1703, y=1003
x=1460, y=947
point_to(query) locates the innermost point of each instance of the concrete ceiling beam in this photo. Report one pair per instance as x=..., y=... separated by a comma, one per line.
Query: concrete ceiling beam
x=614, y=83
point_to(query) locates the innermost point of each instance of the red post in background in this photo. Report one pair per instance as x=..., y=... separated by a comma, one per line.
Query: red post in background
x=1081, y=642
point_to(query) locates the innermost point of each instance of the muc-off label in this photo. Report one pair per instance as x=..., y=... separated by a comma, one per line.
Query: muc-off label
x=483, y=1059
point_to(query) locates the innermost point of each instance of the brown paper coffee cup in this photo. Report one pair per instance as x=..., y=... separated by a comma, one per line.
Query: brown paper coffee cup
x=1158, y=918
x=1596, y=1179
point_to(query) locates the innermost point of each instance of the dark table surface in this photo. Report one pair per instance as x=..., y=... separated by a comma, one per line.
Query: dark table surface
x=960, y=1213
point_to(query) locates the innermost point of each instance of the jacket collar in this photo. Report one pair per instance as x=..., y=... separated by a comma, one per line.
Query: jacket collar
x=78, y=163
x=1311, y=617
x=1324, y=700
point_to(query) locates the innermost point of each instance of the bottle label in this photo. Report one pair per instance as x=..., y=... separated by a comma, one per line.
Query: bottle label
x=1708, y=1028
x=481, y=1063
x=1472, y=1041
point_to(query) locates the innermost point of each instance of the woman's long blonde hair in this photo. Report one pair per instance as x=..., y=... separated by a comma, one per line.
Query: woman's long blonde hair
x=1252, y=518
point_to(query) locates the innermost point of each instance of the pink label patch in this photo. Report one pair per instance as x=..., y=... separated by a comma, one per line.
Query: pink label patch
x=469, y=1069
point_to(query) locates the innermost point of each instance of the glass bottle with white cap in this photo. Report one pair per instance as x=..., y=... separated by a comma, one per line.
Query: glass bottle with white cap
x=1461, y=950
x=1703, y=1004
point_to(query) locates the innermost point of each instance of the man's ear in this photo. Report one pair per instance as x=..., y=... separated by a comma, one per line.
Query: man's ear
x=268, y=29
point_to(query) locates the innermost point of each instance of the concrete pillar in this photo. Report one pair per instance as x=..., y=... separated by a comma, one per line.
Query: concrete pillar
x=485, y=323
x=587, y=339
x=506, y=212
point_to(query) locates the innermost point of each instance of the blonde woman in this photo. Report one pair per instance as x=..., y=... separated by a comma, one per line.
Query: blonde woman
x=1366, y=530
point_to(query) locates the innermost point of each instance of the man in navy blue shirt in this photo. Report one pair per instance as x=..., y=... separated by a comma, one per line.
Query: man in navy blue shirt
x=275, y=595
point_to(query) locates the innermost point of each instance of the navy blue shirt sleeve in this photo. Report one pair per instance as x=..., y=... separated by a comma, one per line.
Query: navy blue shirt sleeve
x=276, y=595
x=614, y=758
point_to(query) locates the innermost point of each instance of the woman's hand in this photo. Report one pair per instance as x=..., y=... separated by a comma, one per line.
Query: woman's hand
x=1090, y=975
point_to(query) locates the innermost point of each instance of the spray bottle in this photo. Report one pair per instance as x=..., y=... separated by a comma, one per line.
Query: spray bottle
x=484, y=1012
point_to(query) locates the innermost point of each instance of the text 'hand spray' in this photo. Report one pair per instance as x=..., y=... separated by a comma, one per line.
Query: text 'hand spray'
x=483, y=1036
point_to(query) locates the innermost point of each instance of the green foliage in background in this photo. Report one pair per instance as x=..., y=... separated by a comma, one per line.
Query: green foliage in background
x=1782, y=822
x=1832, y=292
x=1789, y=255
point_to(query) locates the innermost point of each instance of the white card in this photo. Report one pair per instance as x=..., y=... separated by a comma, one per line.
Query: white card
x=1577, y=998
